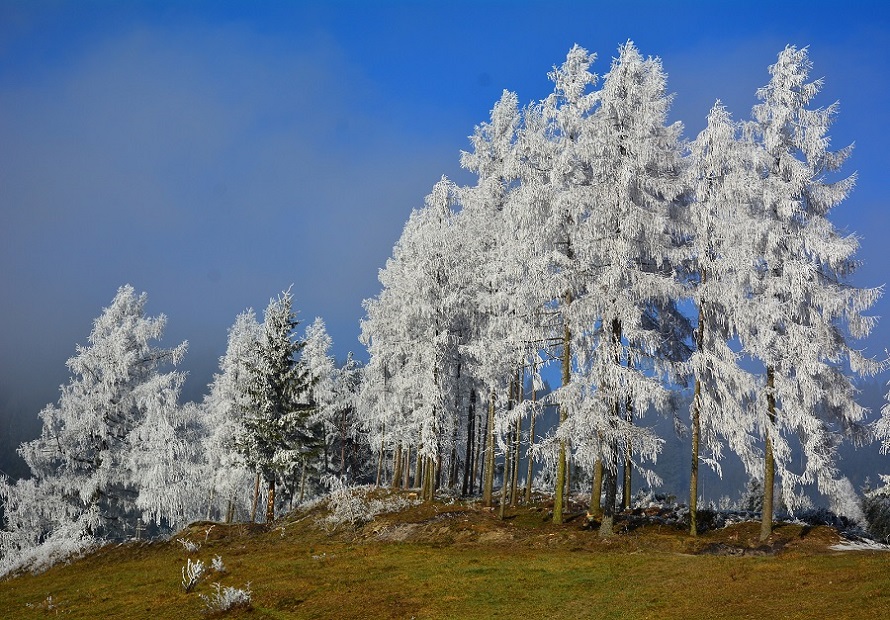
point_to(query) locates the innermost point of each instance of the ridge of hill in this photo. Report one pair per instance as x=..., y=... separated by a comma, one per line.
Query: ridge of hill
x=458, y=560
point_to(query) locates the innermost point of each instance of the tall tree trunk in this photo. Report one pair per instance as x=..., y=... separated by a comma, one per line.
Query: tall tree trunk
x=418, y=469
x=531, y=443
x=303, y=481
x=769, y=464
x=466, y=487
x=610, y=482
x=560, y=482
x=406, y=468
x=270, y=500
x=230, y=511
x=696, y=423
x=489, y=455
x=610, y=469
x=397, y=467
x=514, y=478
x=256, y=499
x=693, y=477
x=596, y=490
x=628, y=455
x=380, y=465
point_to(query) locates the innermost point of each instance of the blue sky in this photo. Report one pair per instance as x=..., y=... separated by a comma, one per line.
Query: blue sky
x=214, y=153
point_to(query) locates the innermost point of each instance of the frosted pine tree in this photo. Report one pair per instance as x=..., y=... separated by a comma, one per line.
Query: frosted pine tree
x=226, y=477
x=492, y=277
x=279, y=433
x=626, y=245
x=722, y=228
x=87, y=477
x=555, y=193
x=808, y=309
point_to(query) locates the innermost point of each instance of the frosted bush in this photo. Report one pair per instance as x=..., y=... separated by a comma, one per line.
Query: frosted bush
x=224, y=599
x=218, y=565
x=192, y=573
x=188, y=545
x=351, y=505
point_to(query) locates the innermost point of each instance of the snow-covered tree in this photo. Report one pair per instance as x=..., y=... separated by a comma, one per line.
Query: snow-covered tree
x=107, y=449
x=807, y=308
x=225, y=476
x=279, y=433
x=722, y=225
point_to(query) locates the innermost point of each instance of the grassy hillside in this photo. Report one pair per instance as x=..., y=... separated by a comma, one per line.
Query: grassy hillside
x=458, y=561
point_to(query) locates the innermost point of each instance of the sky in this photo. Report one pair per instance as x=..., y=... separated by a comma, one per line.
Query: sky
x=213, y=154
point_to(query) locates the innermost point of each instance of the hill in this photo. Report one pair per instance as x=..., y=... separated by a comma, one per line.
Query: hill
x=457, y=560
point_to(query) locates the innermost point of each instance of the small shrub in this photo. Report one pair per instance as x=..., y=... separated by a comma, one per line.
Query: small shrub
x=218, y=565
x=352, y=506
x=224, y=599
x=188, y=545
x=192, y=573
x=876, y=507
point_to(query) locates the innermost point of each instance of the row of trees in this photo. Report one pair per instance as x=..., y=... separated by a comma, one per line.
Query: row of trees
x=647, y=267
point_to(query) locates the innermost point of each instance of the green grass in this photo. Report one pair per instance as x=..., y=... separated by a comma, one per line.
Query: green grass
x=300, y=572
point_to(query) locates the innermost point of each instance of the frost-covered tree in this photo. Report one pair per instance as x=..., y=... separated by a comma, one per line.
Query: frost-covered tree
x=807, y=308
x=611, y=182
x=554, y=196
x=491, y=276
x=279, y=433
x=225, y=476
x=722, y=225
x=110, y=450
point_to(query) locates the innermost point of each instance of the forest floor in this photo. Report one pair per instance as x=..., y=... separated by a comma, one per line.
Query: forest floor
x=458, y=560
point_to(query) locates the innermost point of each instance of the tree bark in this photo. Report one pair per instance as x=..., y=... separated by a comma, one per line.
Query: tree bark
x=693, y=477
x=270, y=501
x=397, y=467
x=531, y=443
x=610, y=470
x=769, y=464
x=489, y=456
x=559, y=499
x=466, y=487
x=596, y=490
x=256, y=499
x=696, y=424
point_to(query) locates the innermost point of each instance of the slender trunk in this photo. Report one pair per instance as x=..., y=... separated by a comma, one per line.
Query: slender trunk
x=560, y=483
x=596, y=502
x=210, y=502
x=489, y=455
x=406, y=468
x=610, y=482
x=528, y=452
x=256, y=499
x=693, y=477
x=769, y=464
x=514, y=479
x=379, y=466
x=628, y=464
x=596, y=490
x=397, y=467
x=610, y=470
x=696, y=424
x=270, y=501
x=303, y=481
x=230, y=511
x=466, y=488
x=505, y=482
x=418, y=469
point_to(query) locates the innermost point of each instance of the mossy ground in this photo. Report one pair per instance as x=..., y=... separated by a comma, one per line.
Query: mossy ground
x=460, y=561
